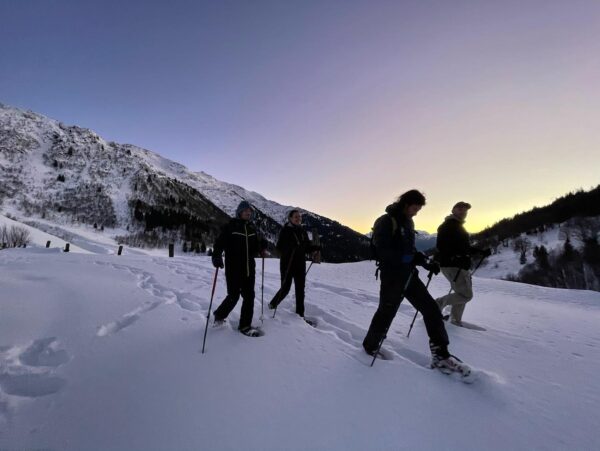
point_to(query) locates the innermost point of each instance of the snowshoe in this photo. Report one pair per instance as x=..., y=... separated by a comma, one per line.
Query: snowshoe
x=451, y=364
x=252, y=332
x=310, y=321
x=381, y=354
x=445, y=362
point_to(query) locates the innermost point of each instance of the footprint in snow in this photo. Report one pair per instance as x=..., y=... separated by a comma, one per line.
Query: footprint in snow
x=30, y=373
x=43, y=352
x=31, y=385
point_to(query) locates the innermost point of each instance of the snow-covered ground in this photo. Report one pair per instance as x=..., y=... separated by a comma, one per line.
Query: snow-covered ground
x=506, y=261
x=38, y=238
x=82, y=238
x=102, y=352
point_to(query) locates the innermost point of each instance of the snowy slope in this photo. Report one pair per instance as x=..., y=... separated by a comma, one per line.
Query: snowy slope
x=506, y=259
x=103, y=352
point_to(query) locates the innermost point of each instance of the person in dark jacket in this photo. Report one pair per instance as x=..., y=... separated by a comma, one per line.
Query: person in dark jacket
x=454, y=253
x=394, y=241
x=241, y=243
x=293, y=245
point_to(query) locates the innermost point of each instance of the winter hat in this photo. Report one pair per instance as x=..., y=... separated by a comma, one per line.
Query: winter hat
x=462, y=204
x=241, y=207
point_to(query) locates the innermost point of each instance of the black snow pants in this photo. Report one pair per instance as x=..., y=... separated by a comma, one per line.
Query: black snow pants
x=297, y=274
x=392, y=285
x=238, y=284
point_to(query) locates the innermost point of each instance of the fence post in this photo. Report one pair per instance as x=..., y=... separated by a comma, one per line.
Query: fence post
x=120, y=250
x=171, y=250
x=47, y=244
x=66, y=247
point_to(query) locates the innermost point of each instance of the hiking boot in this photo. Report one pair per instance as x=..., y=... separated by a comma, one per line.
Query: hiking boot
x=444, y=361
x=440, y=303
x=438, y=353
x=456, y=322
x=371, y=352
x=219, y=322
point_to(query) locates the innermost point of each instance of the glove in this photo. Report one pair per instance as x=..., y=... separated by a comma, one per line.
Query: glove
x=420, y=259
x=217, y=261
x=433, y=267
x=486, y=252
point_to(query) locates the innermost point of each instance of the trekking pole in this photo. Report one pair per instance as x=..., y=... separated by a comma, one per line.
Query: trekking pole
x=429, y=276
x=309, y=266
x=455, y=279
x=386, y=330
x=478, y=265
x=287, y=273
x=212, y=295
x=262, y=292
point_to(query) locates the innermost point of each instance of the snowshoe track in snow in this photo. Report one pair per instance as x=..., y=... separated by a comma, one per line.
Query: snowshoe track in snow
x=30, y=372
x=162, y=295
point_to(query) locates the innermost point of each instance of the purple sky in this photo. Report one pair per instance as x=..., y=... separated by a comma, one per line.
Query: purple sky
x=335, y=106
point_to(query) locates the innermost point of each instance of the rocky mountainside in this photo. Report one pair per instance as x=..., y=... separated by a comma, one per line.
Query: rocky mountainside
x=70, y=174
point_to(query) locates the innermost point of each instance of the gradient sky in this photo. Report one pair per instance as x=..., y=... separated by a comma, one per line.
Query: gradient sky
x=334, y=106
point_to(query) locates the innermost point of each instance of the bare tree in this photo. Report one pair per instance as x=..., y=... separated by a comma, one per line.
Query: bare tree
x=15, y=236
x=3, y=235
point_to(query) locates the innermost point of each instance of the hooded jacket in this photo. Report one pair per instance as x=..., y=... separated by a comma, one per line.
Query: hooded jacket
x=293, y=240
x=241, y=243
x=454, y=248
x=394, y=243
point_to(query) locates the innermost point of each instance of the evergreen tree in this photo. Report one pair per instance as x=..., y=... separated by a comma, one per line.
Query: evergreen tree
x=591, y=251
x=569, y=252
x=541, y=257
x=523, y=258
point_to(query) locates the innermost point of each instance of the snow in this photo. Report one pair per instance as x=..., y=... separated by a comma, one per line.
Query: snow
x=102, y=352
x=506, y=261
x=39, y=238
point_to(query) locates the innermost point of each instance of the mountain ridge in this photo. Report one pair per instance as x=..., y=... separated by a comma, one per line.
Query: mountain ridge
x=70, y=173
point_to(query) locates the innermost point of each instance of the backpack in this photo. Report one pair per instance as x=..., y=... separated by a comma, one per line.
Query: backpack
x=372, y=247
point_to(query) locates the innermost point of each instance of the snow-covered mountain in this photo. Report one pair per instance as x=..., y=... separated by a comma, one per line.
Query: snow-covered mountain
x=67, y=174
x=425, y=241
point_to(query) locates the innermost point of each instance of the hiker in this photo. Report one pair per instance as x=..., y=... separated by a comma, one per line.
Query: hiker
x=393, y=240
x=454, y=253
x=293, y=246
x=241, y=243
